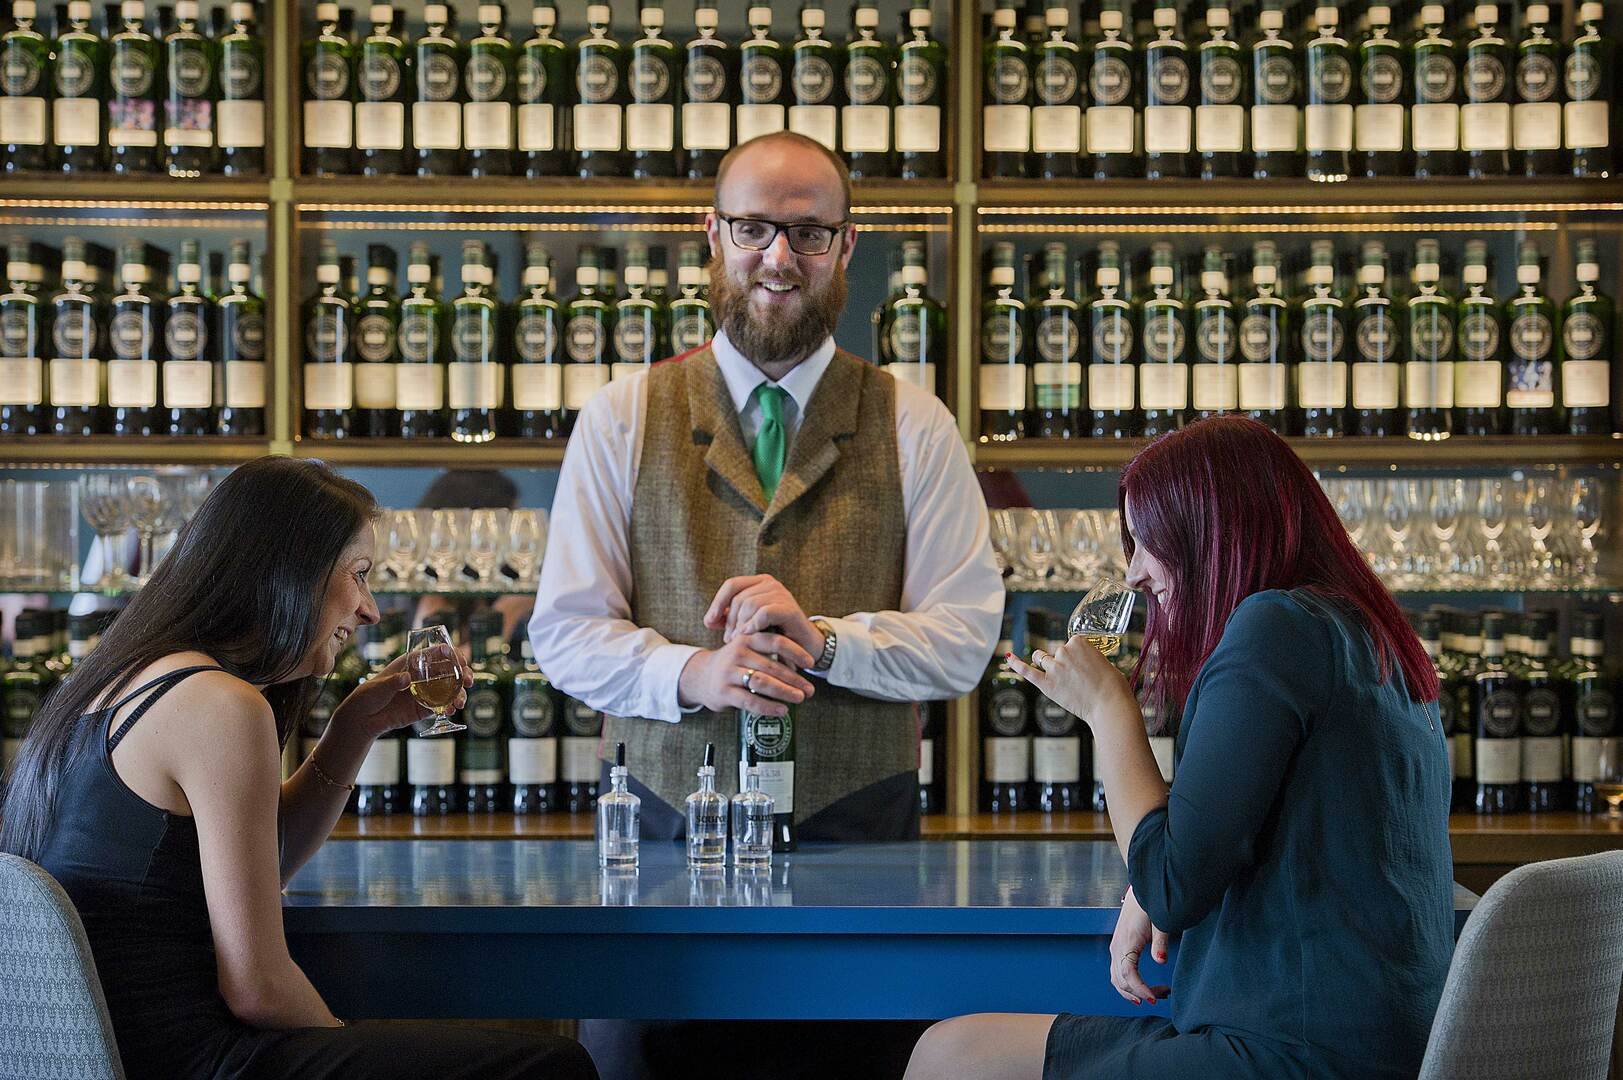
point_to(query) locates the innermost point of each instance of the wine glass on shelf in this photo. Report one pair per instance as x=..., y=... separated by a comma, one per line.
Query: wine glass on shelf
x=436, y=675
x=446, y=549
x=1003, y=543
x=146, y=511
x=1078, y=546
x=1587, y=499
x=487, y=530
x=404, y=545
x=1034, y=538
x=1103, y=615
x=526, y=539
x=104, y=500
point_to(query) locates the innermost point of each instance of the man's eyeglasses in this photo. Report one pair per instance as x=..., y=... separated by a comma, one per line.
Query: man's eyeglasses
x=805, y=238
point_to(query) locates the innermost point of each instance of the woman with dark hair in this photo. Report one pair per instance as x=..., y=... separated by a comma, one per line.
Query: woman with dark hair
x=149, y=787
x=1302, y=851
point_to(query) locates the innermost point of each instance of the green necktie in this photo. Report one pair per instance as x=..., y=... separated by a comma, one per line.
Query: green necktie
x=769, y=439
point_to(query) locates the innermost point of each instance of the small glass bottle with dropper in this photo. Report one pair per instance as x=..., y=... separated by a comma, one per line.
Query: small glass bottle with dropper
x=618, y=819
x=707, y=817
x=752, y=820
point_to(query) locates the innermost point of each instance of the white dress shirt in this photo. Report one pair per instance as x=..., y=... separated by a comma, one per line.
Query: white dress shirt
x=952, y=594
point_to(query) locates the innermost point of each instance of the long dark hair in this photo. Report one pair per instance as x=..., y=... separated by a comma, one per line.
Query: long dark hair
x=244, y=583
x=1229, y=510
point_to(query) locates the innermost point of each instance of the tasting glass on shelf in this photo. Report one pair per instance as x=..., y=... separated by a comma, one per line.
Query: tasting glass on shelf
x=1034, y=545
x=1587, y=502
x=405, y=549
x=1103, y=615
x=436, y=675
x=526, y=540
x=447, y=548
x=104, y=499
x=146, y=510
x=487, y=537
x=1078, y=541
x=1003, y=546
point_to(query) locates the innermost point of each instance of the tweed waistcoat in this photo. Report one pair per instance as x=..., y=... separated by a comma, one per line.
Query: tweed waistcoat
x=834, y=534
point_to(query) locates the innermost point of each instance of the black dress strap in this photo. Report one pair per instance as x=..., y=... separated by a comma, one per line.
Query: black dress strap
x=161, y=686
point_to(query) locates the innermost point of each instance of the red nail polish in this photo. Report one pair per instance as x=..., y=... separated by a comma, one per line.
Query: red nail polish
x=1152, y=1001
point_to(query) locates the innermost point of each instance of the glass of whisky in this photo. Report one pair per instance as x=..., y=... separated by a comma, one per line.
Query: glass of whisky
x=436, y=675
x=1103, y=615
x=1609, y=776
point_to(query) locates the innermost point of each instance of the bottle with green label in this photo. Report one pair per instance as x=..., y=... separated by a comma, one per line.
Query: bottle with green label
x=1003, y=374
x=921, y=96
x=1435, y=117
x=600, y=98
x=1163, y=371
x=542, y=75
x=1276, y=98
x=1485, y=115
x=538, y=381
x=329, y=381
x=768, y=744
x=490, y=83
x=135, y=346
x=1214, y=378
x=1587, y=118
x=763, y=83
x=1006, y=730
x=384, y=90
x=588, y=332
x=78, y=347
x=436, y=96
x=865, y=118
x=814, y=79
x=24, y=330
x=188, y=375
x=239, y=120
x=1536, y=114
x=1496, y=710
x=24, y=92
x=377, y=331
x=79, y=90
x=654, y=74
x=1533, y=393
x=477, y=373
x=483, y=768
x=1329, y=115
x=1546, y=728
x=579, y=769
x=1322, y=377
x=1112, y=135
x=1056, y=117
x=1377, y=334
x=329, y=88
x=190, y=64
x=1593, y=705
x=1113, y=356
x=1006, y=83
x=421, y=343
x=707, y=111
x=532, y=743
x=1265, y=345
x=1479, y=373
x=913, y=325
x=1381, y=120
x=1057, y=361
x=1587, y=324
x=134, y=66
x=239, y=340
x=1428, y=371
x=1220, y=117
x=1169, y=94
x=639, y=319
x=691, y=321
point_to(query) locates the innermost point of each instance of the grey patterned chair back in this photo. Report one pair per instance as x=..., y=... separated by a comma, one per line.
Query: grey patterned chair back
x=53, y=1021
x=1533, y=989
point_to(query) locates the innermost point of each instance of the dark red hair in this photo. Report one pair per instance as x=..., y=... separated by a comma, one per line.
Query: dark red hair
x=1229, y=510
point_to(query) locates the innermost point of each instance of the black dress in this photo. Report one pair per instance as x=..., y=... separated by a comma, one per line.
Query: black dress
x=134, y=874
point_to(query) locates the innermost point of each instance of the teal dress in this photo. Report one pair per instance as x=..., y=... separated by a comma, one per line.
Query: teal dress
x=1303, y=856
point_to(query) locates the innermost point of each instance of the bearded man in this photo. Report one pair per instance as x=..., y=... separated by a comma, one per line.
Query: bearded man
x=763, y=522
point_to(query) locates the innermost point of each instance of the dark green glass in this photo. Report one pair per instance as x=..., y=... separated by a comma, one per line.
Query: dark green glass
x=814, y=79
x=543, y=91
x=639, y=322
x=707, y=108
x=1112, y=144
x=921, y=98
x=538, y=383
x=1215, y=385
x=329, y=353
x=1479, y=373
x=913, y=326
x=1169, y=97
x=24, y=330
x=1113, y=352
x=383, y=94
x=1006, y=84
x=1058, y=97
x=491, y=80
x=588, y=333
x=601, y=94
x=188, y=376
x=1534, y=393
x=1588, y=325
x=1328, y=75
x=1003, y=372
x=1485, y=117
x=240, y=113
x=135, y=81
x=1496, y=708
x=1435, y=116
x=764, y=90
x=1163, y=372
x=1377, y=334
x=654, y=74
x=1536, y=116
x=1428, y=379
x=377, y=334
x=483, y=768
x=532, y=763
x=1220, y=117
x=1265, y=347
x=437, y=96
x=477, y=373
x=1589, y=82
x=79, y=85
x=190, y=66
x=78, y=348
x=1276, y=99
x=865, y=118
x=239, y=334
x=422, y=346
x=1382, y=121
x=25, y=57
x=329, y=89
x=691, y=320
x=1322, y=377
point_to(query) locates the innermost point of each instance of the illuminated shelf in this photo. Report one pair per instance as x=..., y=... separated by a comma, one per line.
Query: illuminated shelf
x=149, y=192
x=435, y=453
x=60, y=451
x=1596, y=589
x=1462, y=450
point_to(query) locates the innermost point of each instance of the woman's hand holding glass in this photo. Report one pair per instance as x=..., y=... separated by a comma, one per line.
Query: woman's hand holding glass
x=384, y=703
x=1081, y=680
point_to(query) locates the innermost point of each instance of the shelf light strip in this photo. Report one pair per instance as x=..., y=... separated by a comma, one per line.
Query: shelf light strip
x=132, y=204
x=126, y=223
x=1365, y=209
x=578, y=208
x=1008, y=229
x=568, y=226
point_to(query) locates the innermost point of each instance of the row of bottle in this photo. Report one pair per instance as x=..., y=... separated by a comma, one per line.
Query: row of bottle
x=90, y=351
x=1460, y=102
x=46, y=646
x=602, y=107
x=1527, y=730
x=1322, y=356
x=186, y=102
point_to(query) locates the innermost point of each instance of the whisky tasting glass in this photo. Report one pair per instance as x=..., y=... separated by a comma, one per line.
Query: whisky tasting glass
x=1003, y=545
x=1103, y=615
x=1034, y=539
x=1609, y=776
x=487, y=534
x=404, y=545
x=447, y=539
x=526, y=539
x=1587, y=500
x=436, y=675
x=146, y=510
x=104, y=499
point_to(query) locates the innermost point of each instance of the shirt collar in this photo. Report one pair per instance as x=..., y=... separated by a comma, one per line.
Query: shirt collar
x=743, y=376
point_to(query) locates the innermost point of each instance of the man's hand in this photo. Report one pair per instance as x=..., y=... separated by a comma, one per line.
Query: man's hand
x=715, y=678
x=758, y=602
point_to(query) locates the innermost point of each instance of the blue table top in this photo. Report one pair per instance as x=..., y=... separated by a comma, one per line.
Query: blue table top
x=555, y=887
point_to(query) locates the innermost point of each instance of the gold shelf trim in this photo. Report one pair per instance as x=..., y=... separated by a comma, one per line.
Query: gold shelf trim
x=1007, y=228
x=126, y=223
x=1287, y=209
x=571, y=226
x=135, y=204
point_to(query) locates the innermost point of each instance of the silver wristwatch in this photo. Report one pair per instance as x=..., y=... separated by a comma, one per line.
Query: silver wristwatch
x=831, y=642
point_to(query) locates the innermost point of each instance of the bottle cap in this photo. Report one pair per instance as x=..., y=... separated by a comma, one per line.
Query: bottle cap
x=79, y=10
x=1591, y=13
x=241, y=11
x=188, y=273
x=1107, y=277
x=690, y=275
x=136, y=10
x=544, y=16
x=185, y=10
x=1003, y=18
x=381, y=14
x=73, y=269
x=436, y=15
x=1321, y=275
x=1527, y=274
x=1536, y=14
x=1213, y=280
x=1487, y=15
x=1380, y=15
x=1588, y=272
x=1474, y=274
x=760, y=16
x=1165, y=18
x=419, y=273
x=1057, y=18
x=705, y=18
x=635, y=277
x=813, y=18
x=919, y=19
x=913, y=275
x=535, y=277
x=490, y=14
x=1217, y=18
x=1161, y=276
x=1001, y=277
x=1433, y=14
x=620, y=755
x=866, y=18
x=1264, y=275
x=709, y=756
x=587, y=276
x=1326, y=17
x=1427, y=271
x=653, y=18
x=1108, y=21
x=1272, y=19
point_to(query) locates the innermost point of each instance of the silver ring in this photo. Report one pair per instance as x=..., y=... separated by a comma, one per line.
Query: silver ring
x=749, y=674
x=1041, y=660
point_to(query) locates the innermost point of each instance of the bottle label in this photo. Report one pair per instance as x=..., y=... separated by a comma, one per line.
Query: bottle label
x=1329, y=128
x=580, y=764
x=1056, y=760
x=486, y=77
x=245, y=384
x=1375, y=385
x=1169, y=79
x=1111, y=129
x=1008, y=81
x=189, y=70
x=1583, y=335
x=1111, y=387
x=706, y=125
x=1221, y=80
x=534, y=713
x=1008, y=760
x=865, y=129
x=1003, y=386
x=483, y=713
x=866, y=80
x=475, y=386
x=22, y=120
x=651, y=126
x=374, y=338
x=634, y=337
x=1163, y=335
x=762, y=78
x=1379, y=128
x=329, y=386
x=920, y=375
x=1431, y=334
x=584, y=338
x=1544, y=759
x=1428, y=384
x=1164, y=386
x=1485, y=78
x=820, y=122
x=22, y=380
x=755, y=120
x=430, y=762
x=1217, y=387
x=420, y=386
x=132, y=384
x=1215, y=339
x=1537, y=77
x=133, y=71
x=1436, y=127
x=1479, y=333
x=1110, y=80
x=535, y=337
x=326, y=77
x=1058, y=338
x=1585, y=384
x=1322, y=385
x=381, y=765
x=488, y=125
x=76, y=121
x=1588, y=124
x=327, y=125
x=916, y=80
x=1262, y=386
x=241, y=74
x=380, y=125
x=1476, y=384
x=1498, y=761
x=379, y=76
x=535, y=127
x=1006, y=129
x=533, y=761
x=1586, y=755
x=375, y=385
x=530, y=74
x=1541, y=714
x=1056, y=129
x=538, y=387
x=74, y=75
x=1584, y=76
x=241, y=123
x=1259, y=337
x=1276, y=80
x=436, y=125
x=1058, y=386
x=1329, y=77
x=690, y=329
x=75, y=383
x=1322, y=335
x=437, y=77
x=184, y=334
x=705, y=79
x=1436, y=78
x=188, y=384
x=1057, y=80
x=581, y=381
x=326, y=337
x=473, y=334
x=1002, y=338
x=1220, y=129
x=418, y=338
x=1500, y=714
x=906, y=336
x=131, y=333
x=1537, y=125
x=1485, y=126
x=1532, y=370
x=1112, y=335
x=1376, y=334
x=597, y=127
x=1168, y=129
x=1275, y=128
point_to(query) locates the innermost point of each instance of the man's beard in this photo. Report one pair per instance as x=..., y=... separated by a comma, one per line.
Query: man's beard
x=775, y=339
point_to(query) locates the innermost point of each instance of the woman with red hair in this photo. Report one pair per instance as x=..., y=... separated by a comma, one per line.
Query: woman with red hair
x=1302, y=853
